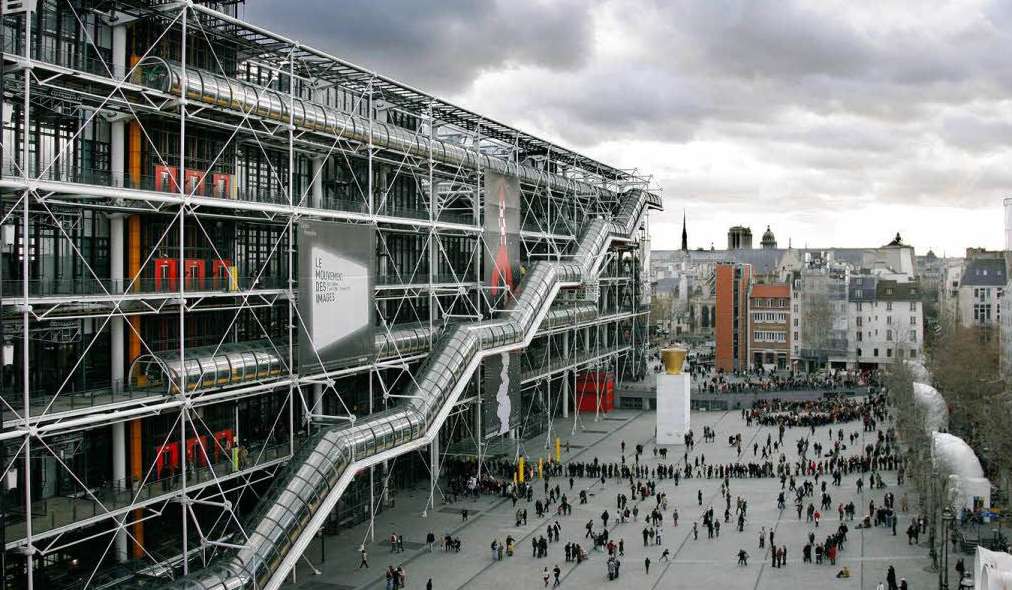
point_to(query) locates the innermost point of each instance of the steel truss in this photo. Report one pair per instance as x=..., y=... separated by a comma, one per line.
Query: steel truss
x=427, y=209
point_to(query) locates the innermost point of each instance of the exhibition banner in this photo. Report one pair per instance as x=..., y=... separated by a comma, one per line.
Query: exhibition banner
x=336, y=280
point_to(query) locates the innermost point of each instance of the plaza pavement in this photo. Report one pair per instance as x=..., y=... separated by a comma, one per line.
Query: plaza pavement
x=704, y=563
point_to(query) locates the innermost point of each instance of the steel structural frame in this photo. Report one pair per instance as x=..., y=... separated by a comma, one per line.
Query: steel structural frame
x=545, y=235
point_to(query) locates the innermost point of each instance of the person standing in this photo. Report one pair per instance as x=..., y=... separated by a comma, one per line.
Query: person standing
x=891, y=578
x=428, y=585
x=556, y=570
x=646, y=562
x=365, y=558
x=545, y=576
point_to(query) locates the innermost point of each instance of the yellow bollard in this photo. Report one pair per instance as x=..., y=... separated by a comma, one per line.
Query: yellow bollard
x=558, y=450
x=540, y=467
x=520, y=469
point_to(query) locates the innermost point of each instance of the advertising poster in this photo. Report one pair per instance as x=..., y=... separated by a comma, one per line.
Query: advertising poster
x=336, y=278
x=502, y=233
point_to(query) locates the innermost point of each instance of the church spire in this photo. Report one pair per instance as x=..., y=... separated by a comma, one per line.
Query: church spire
x=685, y=235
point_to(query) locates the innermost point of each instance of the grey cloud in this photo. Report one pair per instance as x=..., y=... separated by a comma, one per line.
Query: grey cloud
x=974, y=133
x=440, y=46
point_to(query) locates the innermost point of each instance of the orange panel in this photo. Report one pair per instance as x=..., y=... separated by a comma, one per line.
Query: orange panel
x=133, y=271
x=134, y=154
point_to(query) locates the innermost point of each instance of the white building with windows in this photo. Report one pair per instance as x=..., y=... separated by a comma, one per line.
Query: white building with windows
x=885, y=321
x=980, y=290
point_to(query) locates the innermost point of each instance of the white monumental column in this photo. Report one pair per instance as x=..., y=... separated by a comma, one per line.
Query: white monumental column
x=673, y=398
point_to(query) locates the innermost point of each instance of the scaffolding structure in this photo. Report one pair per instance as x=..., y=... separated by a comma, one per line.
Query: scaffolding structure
x=157, y=161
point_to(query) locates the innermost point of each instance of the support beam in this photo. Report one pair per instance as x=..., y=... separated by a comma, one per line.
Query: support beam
x=565, y=376
x=317, y=399
x=433, y=472
x=316, y=195
x=119, y=479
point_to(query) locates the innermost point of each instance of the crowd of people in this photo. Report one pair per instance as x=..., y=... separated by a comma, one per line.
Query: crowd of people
x=810, y=472
x=709, y=380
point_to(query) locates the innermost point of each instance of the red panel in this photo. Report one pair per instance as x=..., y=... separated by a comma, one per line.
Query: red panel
x=167, y=460
x=193, y=450
x=195, y=272
x=166, y=179
x=592, y=385
x=166, y=273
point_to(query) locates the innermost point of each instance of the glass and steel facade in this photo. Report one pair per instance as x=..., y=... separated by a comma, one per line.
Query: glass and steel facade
x=157, y=160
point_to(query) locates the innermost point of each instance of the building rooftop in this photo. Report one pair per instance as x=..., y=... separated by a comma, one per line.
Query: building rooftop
x=984, y=272
x=862, y=288
x=771, y=290
x=889, y=290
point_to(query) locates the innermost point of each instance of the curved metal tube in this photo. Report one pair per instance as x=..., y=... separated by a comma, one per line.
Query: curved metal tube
x=245, y=362
x=295, y=506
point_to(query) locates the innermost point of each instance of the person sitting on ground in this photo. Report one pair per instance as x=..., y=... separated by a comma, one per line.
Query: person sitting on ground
x=844, y=573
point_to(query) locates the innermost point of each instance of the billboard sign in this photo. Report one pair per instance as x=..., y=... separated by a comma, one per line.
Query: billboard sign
x=501, y=397
x=502, y=233
x=336, y=279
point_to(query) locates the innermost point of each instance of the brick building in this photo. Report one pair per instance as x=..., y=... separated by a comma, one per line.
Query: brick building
x=732, y=324
x=769, y=316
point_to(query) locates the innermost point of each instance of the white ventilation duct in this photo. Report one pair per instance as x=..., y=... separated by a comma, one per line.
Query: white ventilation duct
x=932, y=404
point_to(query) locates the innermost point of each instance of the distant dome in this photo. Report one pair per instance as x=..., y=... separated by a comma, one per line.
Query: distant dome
x=769, y=240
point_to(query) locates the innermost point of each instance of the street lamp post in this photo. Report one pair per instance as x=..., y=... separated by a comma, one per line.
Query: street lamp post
x=948, y=519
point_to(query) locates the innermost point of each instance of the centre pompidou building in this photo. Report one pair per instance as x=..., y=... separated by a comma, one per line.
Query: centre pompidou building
x=250, y=291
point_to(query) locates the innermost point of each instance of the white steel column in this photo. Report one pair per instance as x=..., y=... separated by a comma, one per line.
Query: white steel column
x=183, y=381
x=118, y=362
x=372, y=473
x=316, y=195
x=26, y=311
x=565, y=375
x=117, y=131
x=433, y=472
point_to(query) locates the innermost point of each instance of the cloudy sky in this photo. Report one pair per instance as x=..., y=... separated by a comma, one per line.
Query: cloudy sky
x=835, y=122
